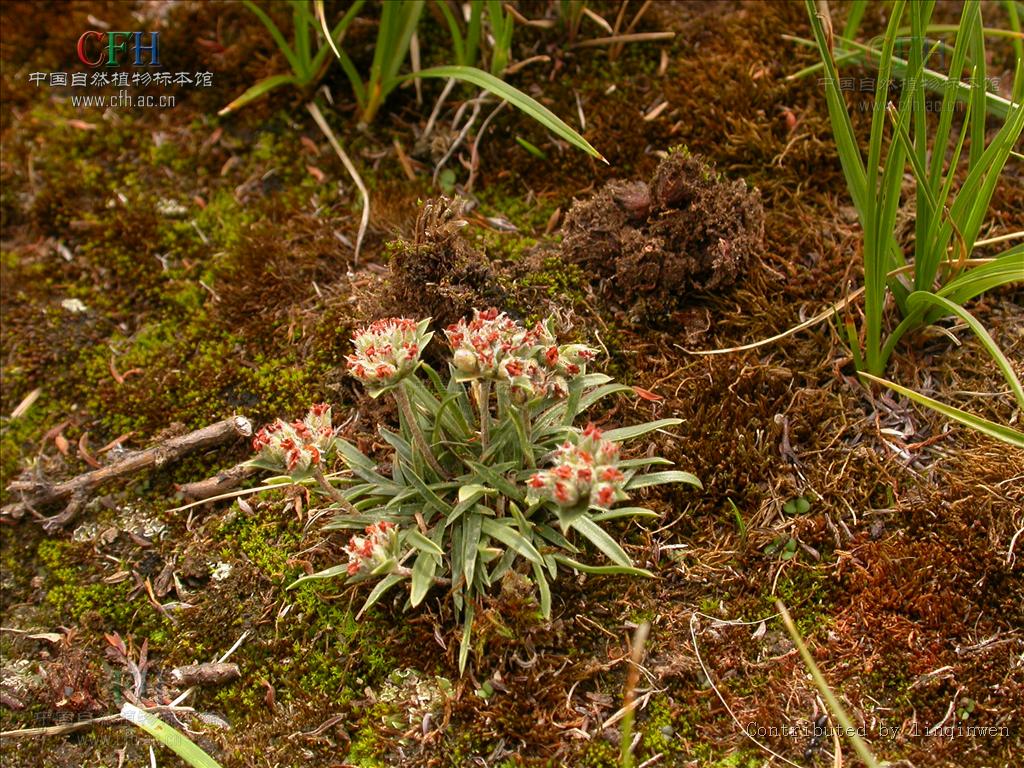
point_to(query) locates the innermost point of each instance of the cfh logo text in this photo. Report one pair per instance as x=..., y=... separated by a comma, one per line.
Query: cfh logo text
x=97, y=49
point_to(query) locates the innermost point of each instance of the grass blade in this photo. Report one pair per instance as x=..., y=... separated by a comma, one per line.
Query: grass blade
x=979, y=330
x=861, y=748
x=517, y=99
x=261, y=88
x=275, y=33
x=169, y=736
x=990, y=428
x=597, y=536
x=602, y=570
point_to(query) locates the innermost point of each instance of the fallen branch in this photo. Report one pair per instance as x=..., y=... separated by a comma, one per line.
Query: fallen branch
x=211, y=673
x=220, y=483
x=74, y=493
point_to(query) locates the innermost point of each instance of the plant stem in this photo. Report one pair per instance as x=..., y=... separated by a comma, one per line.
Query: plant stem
x=482, y=391
x=524, y=428
x=629, y=696
x=417, y=434
x=331, y=491
x=401, y=570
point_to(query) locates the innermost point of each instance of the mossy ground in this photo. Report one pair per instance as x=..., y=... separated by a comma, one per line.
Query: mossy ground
x=210, y=258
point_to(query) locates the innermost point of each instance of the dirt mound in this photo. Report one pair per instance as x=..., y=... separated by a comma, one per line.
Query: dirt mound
x=648, y=245
x=438, y=273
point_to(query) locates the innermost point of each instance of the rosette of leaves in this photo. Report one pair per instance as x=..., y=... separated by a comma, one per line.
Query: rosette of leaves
x=466, y=514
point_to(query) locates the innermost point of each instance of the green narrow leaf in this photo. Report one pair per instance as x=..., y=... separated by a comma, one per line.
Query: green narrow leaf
x=597, y=536
x=326, y=573
x=275, y=33
x=422, y=543
x=644, y=461
x=170, y=737
x=262, y=88
x=507, y=535
x=361, y=464
x=544, y=589
x=471, y=527
x=526, y=104
x=602, y=570
x=990, y=428
x=422, y=577
x=638, y=430
x=301, y=34
x=1006, y=268
x=428, y=494
x=859, y=746
x=467, y=633
x=662, y=478
x=983, y=336
x=378, y=592
x=556, y=538
x=495, y=479
x=619, y=512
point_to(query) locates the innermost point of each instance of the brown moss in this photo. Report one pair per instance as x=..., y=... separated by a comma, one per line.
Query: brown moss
x=438, y=273
x=650, y=245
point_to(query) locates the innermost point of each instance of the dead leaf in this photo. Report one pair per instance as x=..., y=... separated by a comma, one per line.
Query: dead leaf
x=83, y=451
x=646, y=394
x=316, y=173
x=117, y=440
x=50, y=637
x=309, y=144
x=54, y=431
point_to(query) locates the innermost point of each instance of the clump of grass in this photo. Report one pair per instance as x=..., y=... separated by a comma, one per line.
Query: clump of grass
x=941, y=274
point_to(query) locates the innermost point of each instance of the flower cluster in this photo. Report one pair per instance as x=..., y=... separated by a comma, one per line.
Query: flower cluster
x=379, y=547
x=585, y=472
x=297, y=446
x=493, y=346
x=387, y=351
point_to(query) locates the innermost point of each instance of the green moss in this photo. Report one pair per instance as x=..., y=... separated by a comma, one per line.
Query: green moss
x=463, y=747
x=73, y=595
x=366, y=749
x=17, y=436
x=659, y=729
x=562, y=280
x=331, y=654
x=600, y=754
x=805, y=592
x=515, y=204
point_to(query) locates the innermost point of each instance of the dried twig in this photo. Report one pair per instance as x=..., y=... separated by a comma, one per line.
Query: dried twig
x=211, y=673
x=75, y=492
x=636, y=37
x=227, y=480
x=364, y=220
x=80, y=725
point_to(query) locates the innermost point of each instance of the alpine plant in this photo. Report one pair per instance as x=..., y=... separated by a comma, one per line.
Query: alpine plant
x=489, y=473
x=298, y=447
